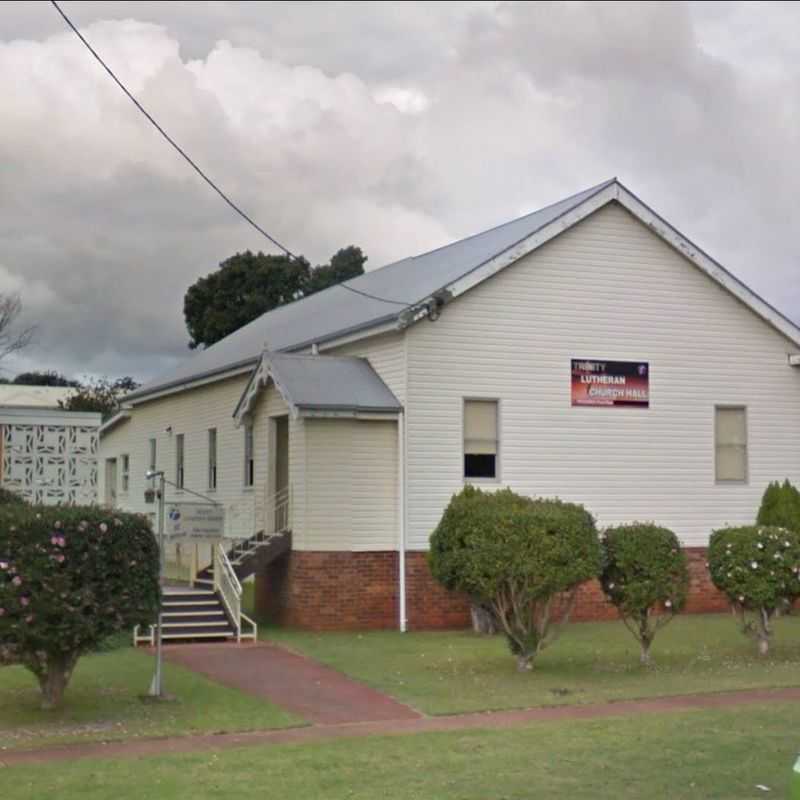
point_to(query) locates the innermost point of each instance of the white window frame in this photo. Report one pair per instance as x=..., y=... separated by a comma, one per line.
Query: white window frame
x=180, y=460
x=153, y=454
x=213, y=437
x=125, y=473
x=732, y=481
x=497, y=465
x=249, y=456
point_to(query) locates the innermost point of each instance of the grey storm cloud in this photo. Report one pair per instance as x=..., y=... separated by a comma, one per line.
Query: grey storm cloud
x=395, y=126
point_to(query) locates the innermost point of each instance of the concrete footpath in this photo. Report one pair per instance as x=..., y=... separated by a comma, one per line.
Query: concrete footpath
x=141, y=748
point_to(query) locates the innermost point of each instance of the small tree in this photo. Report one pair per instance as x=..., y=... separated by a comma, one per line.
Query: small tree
x=523, y=558
x=69, y=578
x=101, y=395
x=780, y=506
x=758, y=568
x=644, y=573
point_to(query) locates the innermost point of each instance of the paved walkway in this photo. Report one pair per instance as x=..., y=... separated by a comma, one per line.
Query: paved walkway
x=459, y=722
x=294, y=682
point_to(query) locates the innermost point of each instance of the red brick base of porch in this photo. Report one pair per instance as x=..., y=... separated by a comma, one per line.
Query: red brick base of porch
x=320, y=590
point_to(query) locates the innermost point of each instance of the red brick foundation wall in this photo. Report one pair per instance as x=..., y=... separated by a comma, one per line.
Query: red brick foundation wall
x=358, y=591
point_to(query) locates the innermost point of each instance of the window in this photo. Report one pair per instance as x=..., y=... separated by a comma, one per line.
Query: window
x=480, y=439
x=126, y=472
x=730, y=443
x=249, y=463
x=152, y=466
x=212, y=458
x=179, y=460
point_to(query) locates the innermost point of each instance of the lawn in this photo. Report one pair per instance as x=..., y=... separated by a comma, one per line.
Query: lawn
x=446, y=673
x=103, y=702
x=679, y=756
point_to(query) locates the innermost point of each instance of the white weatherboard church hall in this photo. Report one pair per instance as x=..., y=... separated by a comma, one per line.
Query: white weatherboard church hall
x=587, y=351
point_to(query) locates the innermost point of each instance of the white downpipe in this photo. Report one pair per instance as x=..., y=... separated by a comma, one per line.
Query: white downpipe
x=401, y=492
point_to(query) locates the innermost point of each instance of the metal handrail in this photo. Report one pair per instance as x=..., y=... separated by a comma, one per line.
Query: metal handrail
x=227, y=585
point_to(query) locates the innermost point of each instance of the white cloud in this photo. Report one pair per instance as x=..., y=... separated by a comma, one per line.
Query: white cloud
x=395, y=127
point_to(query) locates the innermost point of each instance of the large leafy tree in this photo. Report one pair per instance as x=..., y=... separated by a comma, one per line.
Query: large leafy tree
x=247, y=285
x=44, y=378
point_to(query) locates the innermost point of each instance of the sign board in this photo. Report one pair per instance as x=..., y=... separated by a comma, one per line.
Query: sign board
x=610, y=383
x=199, y=520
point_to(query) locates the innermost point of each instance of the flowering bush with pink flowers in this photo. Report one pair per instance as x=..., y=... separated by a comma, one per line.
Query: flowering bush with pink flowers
x=70, y=577
x=758, y=568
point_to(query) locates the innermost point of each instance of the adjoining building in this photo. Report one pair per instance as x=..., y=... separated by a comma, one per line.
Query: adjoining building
x=587, y=351
x=47, y=455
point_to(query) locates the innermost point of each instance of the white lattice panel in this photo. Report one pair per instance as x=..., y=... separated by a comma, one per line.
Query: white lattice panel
x=51, y=464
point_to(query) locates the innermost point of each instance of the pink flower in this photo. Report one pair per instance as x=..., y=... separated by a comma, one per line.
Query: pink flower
x=17, y=581
x=24, y=601
x=60, y=558
x=3, y=564
x=54, y=540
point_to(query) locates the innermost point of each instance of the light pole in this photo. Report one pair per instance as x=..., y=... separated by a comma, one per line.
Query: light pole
x=156, y=687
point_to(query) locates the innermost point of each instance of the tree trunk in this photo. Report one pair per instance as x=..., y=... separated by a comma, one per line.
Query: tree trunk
x=644, y=657
x=54, y=682
x=762, y=633
x=525, y=662
x=483, y=621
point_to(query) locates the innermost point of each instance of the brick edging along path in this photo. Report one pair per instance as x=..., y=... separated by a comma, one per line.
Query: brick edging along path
x=492, y=720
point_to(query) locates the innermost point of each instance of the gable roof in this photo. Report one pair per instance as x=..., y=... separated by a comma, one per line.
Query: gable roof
x=405, y=291
x=314, y=383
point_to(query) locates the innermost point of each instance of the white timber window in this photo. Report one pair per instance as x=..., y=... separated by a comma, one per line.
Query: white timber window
x=730, y=444
x=481, y=443
x=249, y=462
x=152, y=466
x=126, y=472
x=179, y=464
x=212, y=458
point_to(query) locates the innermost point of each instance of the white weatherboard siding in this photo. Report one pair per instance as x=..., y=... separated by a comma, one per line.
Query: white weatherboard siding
x=387, y=356
x=606, y=289
x=351, y=472
x=192, y=413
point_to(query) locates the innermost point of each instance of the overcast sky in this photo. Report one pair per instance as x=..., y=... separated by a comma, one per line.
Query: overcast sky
x=394, y=126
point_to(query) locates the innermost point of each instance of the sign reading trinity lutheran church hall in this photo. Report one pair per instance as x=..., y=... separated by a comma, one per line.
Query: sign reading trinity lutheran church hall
x=610, y=383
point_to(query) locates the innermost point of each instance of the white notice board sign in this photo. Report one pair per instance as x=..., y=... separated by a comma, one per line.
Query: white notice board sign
x=200, y=520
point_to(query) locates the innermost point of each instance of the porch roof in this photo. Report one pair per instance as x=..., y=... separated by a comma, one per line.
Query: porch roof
x=320, y=383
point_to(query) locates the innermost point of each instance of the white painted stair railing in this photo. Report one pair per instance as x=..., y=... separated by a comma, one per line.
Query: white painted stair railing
x=229, y=589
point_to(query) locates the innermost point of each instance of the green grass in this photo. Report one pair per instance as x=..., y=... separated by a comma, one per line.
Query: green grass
x=445, y=673
x=103, y=702
x=697, y=755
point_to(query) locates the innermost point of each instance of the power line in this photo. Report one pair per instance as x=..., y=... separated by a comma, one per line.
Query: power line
x=169, y=138
x=194, y=166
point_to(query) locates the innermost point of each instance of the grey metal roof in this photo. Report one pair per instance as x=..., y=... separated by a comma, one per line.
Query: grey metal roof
x=337, y=311
x=330, y=383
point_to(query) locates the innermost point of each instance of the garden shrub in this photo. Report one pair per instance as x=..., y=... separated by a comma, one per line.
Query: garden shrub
x=70, y=577
x=10, y=498
x=780, y=506
x=645, y=576
x=524, y=558
x=758, y=568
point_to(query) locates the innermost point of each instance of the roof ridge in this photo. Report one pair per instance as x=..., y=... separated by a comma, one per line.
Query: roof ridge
x=591, y=190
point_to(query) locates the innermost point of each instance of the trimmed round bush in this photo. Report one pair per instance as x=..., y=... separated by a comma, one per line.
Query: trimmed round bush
x=9, y=498
x=780, y=506
x=645, y=576
x=70, y=577
x=523, y=558
x=758, y=568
